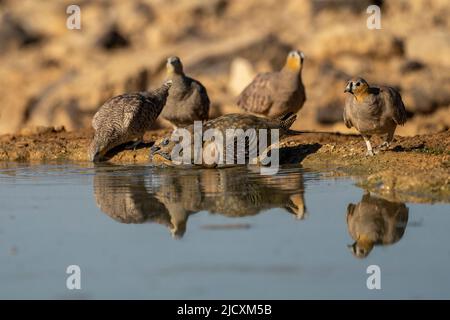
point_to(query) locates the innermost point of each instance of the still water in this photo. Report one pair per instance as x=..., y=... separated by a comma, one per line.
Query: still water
x=145, y=232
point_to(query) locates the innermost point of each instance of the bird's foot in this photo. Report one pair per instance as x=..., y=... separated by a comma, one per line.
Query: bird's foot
x=384, y=146
x=371, y=153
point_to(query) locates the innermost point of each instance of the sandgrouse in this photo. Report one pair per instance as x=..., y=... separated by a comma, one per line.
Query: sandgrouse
x=124, y=118
x=242, y=143
x=188, y=99
x=276, y=93
x=373, y=110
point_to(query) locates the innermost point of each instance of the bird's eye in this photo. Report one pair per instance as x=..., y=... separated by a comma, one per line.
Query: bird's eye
x=165, y=142
x=358, y=84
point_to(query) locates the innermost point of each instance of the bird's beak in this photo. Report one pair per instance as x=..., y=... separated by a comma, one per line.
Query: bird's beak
x=154, y=148
x=351, y=247
x=169, y=66
x=348, y=88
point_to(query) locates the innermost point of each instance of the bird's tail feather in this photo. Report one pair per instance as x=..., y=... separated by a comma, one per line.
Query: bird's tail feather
x=287, y=120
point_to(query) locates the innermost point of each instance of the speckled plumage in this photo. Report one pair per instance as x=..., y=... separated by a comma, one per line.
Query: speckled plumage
x=373, y=110
x=276, y=93
x=124, y=118
x=237, y=196
x=188, y=99
x=171, y=196
x=227, y=192
x=164, y=146
x=375, y=221
x=125, y=198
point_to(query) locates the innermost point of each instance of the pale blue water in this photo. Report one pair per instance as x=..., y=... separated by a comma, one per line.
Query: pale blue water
x=252, y=247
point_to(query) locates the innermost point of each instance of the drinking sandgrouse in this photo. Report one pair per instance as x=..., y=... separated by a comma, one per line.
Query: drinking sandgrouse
x=124, y=118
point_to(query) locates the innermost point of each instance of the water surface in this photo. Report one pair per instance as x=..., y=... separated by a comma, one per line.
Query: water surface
x=144, y=232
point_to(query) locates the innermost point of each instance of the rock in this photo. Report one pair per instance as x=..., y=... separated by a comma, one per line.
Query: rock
x=59, y=128
x=72, y=101
x=356, y=6
x=14, y=34
x=328, y=69
x=187, y=19
x=426, y=90
x=34, y=130
x=420, y=100
x=133, y=17
x=113, y=39
x=355, y=40
x=432, y=48
x=217, y=56
x=19, y=91
x=438, y=121
x=241, y=74
x=411, y=66
x=330, y=114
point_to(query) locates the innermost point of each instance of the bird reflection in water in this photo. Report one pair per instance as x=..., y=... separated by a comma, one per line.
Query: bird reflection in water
x=375, y=221
x=170, y=196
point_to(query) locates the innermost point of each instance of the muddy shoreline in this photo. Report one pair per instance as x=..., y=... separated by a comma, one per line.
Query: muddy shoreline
x=415, y=169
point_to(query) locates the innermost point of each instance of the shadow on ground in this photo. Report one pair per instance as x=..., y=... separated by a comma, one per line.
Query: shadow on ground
x=296, y=154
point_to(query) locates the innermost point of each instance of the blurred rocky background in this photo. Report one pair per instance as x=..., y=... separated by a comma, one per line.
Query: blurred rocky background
x=53, y=76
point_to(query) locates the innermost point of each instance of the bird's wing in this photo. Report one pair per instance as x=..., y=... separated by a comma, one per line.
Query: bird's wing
x=257, y=96
x=394, y=104
x=202, y=96
x=347, y=117
x=119, y=110
x=105, y=111
x=241, y=151
x=95, y=121
x=131, y=105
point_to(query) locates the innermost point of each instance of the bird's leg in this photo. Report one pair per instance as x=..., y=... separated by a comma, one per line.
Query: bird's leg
x=385, y=145
x=369, y=147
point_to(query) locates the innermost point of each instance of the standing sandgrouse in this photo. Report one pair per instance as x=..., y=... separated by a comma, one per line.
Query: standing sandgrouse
x=276, y=93
x=124, y=118
x=188, y=99
x=373, y=110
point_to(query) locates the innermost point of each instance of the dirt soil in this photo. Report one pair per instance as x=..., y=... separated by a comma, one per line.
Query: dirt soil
x=415, y=169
